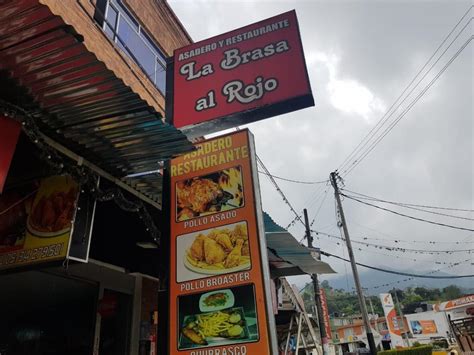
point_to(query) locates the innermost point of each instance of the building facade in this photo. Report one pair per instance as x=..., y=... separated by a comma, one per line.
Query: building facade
x=85, y=80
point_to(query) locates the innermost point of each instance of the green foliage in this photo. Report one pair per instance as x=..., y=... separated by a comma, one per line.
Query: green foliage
x=452, y=292
x=418, y=350
x=346, y=303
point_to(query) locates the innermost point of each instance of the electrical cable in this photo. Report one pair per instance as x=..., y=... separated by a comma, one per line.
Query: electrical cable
x=408, y=216
x=398, y=240
x=408, y=204
x=398, y=272
x=413, y=208
x=388, y=255
x=412, y=278
x=319, y=208
x=295, y=181
x=382, y=121
x=394, y=248
x=409, y=107
x=285, y=199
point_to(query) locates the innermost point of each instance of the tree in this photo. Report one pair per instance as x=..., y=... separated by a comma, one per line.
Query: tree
x=325, y=285
x=451, y=292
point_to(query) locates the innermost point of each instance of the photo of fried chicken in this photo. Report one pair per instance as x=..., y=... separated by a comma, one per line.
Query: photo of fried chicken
x=200, y=196
x=54, y=212
x=219, y=250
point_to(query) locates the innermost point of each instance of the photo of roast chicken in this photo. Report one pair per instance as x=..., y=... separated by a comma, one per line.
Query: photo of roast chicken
x=200, y=196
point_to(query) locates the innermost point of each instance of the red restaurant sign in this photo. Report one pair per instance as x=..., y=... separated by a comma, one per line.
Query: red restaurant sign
x=242, y=76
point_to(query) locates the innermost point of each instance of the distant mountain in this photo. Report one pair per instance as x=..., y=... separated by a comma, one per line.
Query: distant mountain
x=374, y=278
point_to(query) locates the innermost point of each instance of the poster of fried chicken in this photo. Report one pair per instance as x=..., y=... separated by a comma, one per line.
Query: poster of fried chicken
x=203, y=195
x=214, y=251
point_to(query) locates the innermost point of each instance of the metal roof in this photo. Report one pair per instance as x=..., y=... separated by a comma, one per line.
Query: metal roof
x=287, y=257
x=78, y=102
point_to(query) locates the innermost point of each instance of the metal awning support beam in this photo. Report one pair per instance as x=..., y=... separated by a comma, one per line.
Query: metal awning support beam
x=81, y=161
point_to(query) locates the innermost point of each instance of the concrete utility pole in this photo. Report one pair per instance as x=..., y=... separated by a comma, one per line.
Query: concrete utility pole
x=317, y=293
x=360, y=294
x=405, y=333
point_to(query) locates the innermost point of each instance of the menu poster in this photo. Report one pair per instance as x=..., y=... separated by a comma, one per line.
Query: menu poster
x=36, y=222
x=218, y=302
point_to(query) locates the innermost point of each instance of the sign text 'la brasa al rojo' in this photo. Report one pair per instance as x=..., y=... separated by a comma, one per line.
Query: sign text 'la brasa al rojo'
x=218, y=302
x=245, y=75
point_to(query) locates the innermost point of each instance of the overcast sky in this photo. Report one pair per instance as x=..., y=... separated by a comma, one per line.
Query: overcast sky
x=360, y=56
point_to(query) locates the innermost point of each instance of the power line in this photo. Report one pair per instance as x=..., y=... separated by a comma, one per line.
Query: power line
x=360, y=147
x=319, y=208
x=395, y=248
x=408, y=216
x=398, y=240
x=398, y=272
x=383, y=119
x=285, y=199
x=409, y=204
x=391, y=256
x=429, y=273
x=409, y=107
x=294, y=181
x=412, y=208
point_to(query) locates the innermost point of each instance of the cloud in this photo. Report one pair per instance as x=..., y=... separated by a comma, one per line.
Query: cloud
x=347, y=95
x=360, y=57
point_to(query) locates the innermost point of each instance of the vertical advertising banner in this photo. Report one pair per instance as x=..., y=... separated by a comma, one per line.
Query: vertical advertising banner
x=218, y=303
x=392, y=320
x=36, y=222
x=324, y=306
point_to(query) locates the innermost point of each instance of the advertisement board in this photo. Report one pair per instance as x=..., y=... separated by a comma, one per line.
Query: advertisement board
x=324, y=307
x=9, y=133
x=392, y=321
x=218, y=300
x=245, y=75
x=428, y=324
x=36, y=222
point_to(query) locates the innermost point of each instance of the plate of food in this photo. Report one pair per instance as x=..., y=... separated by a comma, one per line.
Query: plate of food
x=219, y=250
x=214, y=328
x=216, y=192
x=216, y=300
x=52, y=213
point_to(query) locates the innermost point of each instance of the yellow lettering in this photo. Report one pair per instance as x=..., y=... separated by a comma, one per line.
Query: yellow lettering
x=230, y=155
x=198, y=164
x=222, y=158
x=221, y=144
x=213, y=160
x=187, y=167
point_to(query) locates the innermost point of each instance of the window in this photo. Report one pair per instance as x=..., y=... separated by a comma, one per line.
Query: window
x=126, y=32
x=348, y=332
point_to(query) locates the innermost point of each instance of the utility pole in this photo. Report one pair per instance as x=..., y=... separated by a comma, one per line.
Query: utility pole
x=360, y=294
x=317, y=293
x=405, y=335
x=376, y=326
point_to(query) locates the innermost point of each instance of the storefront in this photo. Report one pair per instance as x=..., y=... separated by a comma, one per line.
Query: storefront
x=460, y=314
x=90, y=123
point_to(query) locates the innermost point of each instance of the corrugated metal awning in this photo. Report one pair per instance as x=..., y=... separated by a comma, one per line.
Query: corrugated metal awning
x=287, y=257
x=79, y=103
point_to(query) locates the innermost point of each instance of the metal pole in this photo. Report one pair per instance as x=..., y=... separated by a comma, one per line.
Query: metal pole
x=373, y=312
x=405, y=335
x=360, y=295
x=317, y=293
